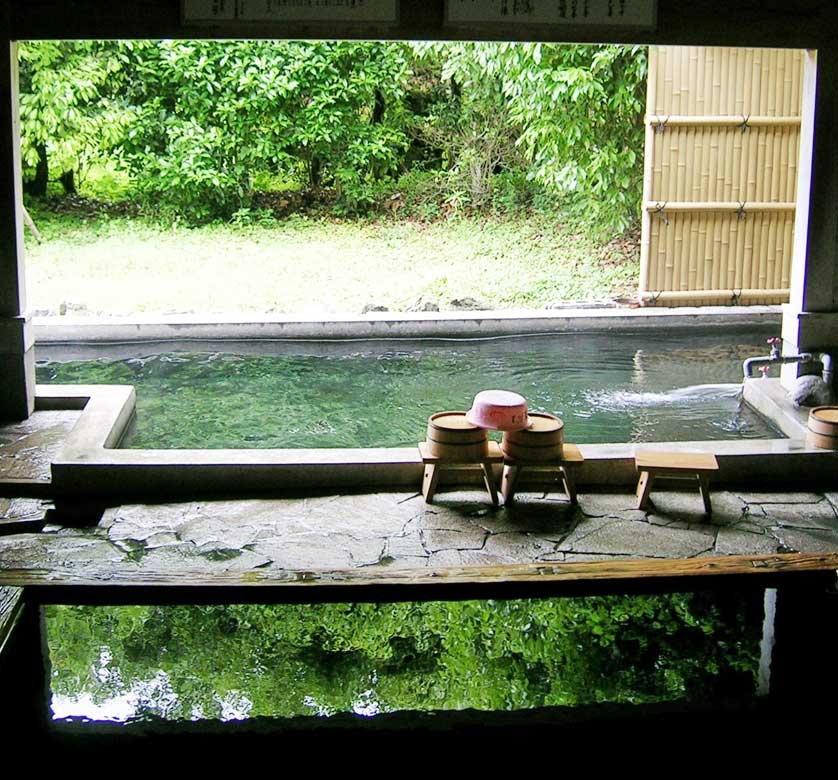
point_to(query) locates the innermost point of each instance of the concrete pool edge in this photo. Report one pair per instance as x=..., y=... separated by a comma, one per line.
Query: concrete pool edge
x=400, y=325
x=89, y=467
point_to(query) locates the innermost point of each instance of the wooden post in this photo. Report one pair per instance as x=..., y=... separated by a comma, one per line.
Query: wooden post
x=810, y=321
x=803, y=669
x=25, y=678
x=17, y=357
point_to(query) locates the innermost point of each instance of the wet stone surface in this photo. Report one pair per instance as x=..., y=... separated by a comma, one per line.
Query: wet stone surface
x=28, y=447
x=400, y=530
x=16, y=509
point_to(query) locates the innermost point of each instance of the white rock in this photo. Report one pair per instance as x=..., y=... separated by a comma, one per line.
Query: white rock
x=810, y=390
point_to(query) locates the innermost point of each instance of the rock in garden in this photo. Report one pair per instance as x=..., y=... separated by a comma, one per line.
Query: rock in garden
x=811, y=390
x=423, y=304
x=581, y=305
x=467, y=304
x=373, y=307
x=68, y=307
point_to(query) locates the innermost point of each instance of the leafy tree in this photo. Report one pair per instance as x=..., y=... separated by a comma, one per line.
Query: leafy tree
x=575, y=112
x=581, y=108
x=468, y=118
x=209, y=115
x=193, y=121
x=69, y=105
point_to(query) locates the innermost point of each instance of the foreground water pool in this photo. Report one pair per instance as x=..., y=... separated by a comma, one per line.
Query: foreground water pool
x=237, y=662
x=607, y=388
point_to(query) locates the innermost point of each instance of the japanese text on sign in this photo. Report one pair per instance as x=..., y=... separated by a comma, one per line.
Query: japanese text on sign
x=290, y=10
x=605, y=13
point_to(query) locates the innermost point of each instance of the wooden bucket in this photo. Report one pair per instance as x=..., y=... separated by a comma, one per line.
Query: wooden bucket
x=542, y=441
x=823, y=428
x=451, y=435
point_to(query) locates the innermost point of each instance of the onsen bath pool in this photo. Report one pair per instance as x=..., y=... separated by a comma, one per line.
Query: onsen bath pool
x=606, y=388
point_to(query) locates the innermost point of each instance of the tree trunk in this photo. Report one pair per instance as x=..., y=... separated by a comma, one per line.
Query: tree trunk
x=68, y=182
x=38, y=185
x=315, y=176
x=378, y=108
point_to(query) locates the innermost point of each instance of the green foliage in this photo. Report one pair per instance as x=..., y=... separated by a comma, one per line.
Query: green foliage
x=195, y=103
x=574, y=111
x=467, y=119
x=598, y=92
x=196, y=123
x=208, y=116
x=216, y=662
x=69, y=101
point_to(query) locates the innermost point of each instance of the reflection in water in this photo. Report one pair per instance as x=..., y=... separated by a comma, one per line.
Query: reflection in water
x=606, y=388
x=236, y=662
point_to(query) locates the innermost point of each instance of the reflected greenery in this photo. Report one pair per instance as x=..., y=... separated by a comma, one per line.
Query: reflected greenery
x=283, y=661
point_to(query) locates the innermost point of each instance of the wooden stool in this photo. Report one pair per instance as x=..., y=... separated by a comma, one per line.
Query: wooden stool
x=434, y=466
x=676, y=465
x=570, y=460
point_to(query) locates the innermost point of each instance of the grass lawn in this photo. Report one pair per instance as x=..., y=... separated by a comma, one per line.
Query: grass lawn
x=309, y=266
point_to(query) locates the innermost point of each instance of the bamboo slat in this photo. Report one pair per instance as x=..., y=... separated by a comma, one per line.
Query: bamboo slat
x=737, y=247
x=648, y=175
x=788, y=237
x=762, y=282
x=728, y=271
x=739, y=102
x=732, y=206
x=668, y=264
x=770, y=253
x=726, y=172
x=657, y=282
x=715, y=295
x=717, y=280
x=716, y=83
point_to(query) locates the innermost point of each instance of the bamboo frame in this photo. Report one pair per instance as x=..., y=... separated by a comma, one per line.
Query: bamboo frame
x=709, y=120
x=723, y=295
x=732, y=206
x=719, y=197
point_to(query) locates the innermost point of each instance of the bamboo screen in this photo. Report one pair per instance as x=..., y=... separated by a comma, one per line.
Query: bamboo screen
x=722, y=135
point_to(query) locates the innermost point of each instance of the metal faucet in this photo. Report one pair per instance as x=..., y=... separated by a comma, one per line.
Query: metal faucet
x=777, y=358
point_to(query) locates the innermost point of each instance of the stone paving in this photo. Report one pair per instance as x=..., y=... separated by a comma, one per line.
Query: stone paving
x=28, y=447
x=400, y=530
x=26, y=450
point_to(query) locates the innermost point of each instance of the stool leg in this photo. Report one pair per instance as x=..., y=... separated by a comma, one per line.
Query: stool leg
x=430, y=481
x=704, y=487
x=569, y=484
x=510, y=479
x=489, y=479
x=644, y=487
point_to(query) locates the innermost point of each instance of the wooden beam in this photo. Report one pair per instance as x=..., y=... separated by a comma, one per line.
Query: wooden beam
x=804, y=23
x=17, y=358
x=12, y=281
x=130, y=584
x=11, y=604
x=25, y=488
